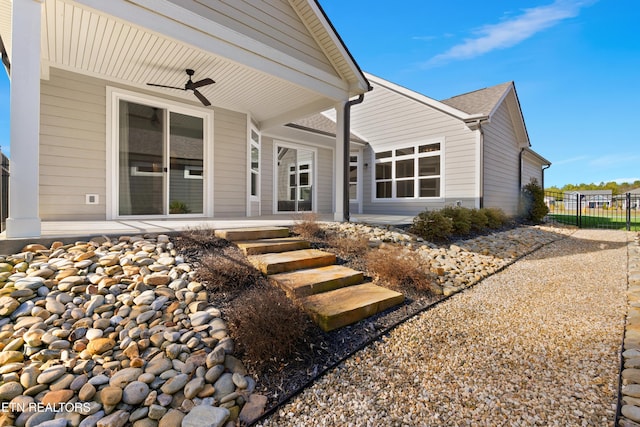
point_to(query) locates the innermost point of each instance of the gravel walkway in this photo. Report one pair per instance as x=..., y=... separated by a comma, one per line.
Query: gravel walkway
x=537, y=344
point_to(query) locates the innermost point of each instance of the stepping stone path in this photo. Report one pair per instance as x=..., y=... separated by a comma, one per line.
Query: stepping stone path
x=115, y=332
x=334, y=296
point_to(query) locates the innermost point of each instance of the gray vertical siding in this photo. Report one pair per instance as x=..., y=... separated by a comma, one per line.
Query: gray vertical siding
x=230, y=163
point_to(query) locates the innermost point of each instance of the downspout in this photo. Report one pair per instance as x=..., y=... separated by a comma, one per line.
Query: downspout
x=481, y=178
x=543, y=169
x=347, y=151
x=520, y=168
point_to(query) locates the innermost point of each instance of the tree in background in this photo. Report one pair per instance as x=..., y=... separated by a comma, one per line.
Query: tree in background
x=615, y=188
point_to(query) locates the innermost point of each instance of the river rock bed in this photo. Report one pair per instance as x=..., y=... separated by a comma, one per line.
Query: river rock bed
x=114, y=332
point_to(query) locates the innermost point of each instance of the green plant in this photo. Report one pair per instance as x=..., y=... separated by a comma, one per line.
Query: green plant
x=432, y=226
x=306, y=225
x=266, y=325
x=460, y=217
x=496, y=218
x=178, y=207
x=534, y=208
x=479, y=220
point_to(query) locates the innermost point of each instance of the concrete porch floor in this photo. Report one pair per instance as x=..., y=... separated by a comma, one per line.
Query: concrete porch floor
x=79, y=230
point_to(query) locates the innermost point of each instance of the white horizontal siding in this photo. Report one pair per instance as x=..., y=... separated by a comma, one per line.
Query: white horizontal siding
x=266, y=175
x=272, y=22
x=230, y=163
x=72, y=147
x=390, y=120
x=501, y=163
x=325, y=181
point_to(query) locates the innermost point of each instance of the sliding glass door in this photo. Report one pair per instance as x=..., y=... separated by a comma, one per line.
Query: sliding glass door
x=160, y=161
x=295, y=175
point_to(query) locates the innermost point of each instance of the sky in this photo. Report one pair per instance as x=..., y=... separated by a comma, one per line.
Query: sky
x=575, y=64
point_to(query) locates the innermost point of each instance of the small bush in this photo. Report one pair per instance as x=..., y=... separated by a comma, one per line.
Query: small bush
x=306, y=226
x=432, y=226
x=496, y=218
x=201, y=238
x=533, y=200
x=399, y=269
x=266, y=325
x=350, y=245
x=228, y=272
x=479, y=220
x=461, y=219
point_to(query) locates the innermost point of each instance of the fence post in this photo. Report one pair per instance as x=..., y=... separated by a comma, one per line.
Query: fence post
x=578, y=210
x=628, y=211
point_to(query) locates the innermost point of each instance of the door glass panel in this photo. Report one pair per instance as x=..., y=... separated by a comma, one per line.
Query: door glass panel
x=294, y=179
x=141, y=160
x=186, y=164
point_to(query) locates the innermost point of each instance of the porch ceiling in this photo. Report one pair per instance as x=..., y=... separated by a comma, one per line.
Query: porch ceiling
x=78, y=38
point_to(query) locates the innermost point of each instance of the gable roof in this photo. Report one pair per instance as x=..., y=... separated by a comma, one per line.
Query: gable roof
x=480, y=102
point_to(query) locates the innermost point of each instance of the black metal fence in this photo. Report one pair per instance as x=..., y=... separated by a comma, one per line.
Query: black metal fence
x=594, y=209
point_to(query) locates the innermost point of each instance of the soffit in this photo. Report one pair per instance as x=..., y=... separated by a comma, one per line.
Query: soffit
x=81, y=39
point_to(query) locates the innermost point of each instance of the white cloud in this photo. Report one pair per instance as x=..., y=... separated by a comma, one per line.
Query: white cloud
x=511, y=31
x=569, y=160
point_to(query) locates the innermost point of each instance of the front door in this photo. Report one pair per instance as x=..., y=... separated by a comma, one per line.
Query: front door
x=295, y=176
x=160, y=161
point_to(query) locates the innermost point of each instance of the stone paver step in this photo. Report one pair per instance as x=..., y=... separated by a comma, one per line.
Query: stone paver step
x=302, y=283
x=335, y=309
x=292, y=260
x=263, y=246
x=254, y=233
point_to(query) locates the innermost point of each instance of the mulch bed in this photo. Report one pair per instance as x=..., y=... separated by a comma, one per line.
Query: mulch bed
x=319, y=351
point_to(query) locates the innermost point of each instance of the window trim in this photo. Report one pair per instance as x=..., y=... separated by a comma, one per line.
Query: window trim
x=394, y=158
x=250, y=171
x=114, y=95
x=358, y=183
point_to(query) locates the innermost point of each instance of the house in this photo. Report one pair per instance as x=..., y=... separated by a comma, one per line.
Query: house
x=620, y=200
x=110, y=115
x=411, y=152
x=589, y=199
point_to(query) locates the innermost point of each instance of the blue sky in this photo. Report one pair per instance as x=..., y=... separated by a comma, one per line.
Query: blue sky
x=576, y=65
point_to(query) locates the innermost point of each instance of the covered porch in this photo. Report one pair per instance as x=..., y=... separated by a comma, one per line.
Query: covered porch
x=81, y=69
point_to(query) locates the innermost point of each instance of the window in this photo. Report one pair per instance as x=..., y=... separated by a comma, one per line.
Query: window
x=408, y=172
x=353, y=178
x=254, y=162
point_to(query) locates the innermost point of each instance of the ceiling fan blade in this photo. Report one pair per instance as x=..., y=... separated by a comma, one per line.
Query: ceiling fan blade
x=203, y=82
x=165, y=86
x=201, y=97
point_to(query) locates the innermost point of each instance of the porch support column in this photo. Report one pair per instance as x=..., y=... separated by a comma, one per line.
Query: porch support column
x=23, y=220
x=338, y=167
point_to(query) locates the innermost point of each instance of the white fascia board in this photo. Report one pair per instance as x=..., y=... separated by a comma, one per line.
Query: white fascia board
x=537, y=156
x=363, y=84
x=182, y=25
x=424, y=99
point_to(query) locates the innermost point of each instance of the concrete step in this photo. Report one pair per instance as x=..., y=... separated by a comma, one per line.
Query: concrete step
x=335, y=309
x=292, y=260
x=263, y=246
x=253, y=233
x=302, y=283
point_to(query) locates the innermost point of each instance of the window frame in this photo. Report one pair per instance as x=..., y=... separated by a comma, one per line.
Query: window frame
x=403, y=153
x=251, y=171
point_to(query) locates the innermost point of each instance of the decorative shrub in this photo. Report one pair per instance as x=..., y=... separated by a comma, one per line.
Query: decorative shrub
x=396, y=268
x=201, y=238
x=432, y=226
x=348, y=246
x=533, y=200
x=228, y=272
x=496, y=218
x=479, y=220
x=461, y=219
x=178, y=207
x=306, y=226
x=266, y=325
